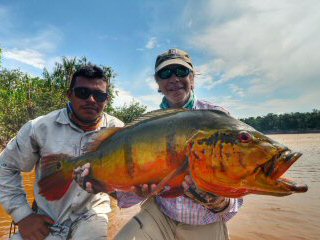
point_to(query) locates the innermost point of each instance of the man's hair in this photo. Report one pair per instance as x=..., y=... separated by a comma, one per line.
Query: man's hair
x=90, y=72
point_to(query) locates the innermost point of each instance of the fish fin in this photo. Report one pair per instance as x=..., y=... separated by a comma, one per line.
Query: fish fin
x=105, y=134
x=54, y=180
x=155, y=114
x=165, y=181
x=100, y=137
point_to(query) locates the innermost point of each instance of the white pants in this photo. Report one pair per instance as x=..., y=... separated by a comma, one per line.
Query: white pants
x=91, y=228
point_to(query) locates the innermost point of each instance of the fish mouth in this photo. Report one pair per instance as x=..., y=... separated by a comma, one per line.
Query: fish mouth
x=278, y=165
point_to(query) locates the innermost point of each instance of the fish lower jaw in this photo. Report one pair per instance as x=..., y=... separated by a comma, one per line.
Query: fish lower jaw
x=293, y=186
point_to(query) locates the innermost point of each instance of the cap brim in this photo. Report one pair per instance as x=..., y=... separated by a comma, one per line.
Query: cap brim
x=172, y=62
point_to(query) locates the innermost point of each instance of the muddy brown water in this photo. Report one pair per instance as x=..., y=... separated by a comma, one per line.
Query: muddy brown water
x=294, y=217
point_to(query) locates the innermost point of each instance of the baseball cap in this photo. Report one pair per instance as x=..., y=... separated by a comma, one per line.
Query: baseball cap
x=173, y=56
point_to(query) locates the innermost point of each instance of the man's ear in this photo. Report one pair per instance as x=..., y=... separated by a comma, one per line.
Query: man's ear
x=192, y=82
x=69, y=93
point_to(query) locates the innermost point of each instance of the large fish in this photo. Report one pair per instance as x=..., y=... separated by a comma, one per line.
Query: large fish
x=223, y=155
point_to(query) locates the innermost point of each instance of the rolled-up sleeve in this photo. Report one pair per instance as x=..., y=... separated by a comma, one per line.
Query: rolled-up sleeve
x=231, y=210
x=20, y=155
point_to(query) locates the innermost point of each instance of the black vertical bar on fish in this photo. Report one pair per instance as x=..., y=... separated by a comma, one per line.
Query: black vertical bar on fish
x=170, y=148
x=128, y=156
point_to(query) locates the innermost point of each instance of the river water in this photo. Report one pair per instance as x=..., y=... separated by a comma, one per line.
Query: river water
x=294, y=217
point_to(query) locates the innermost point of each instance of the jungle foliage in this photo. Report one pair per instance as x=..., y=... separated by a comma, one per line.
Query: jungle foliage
x=287, y=122
x=24, y=97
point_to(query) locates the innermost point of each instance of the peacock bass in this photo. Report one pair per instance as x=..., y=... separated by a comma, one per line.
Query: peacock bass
x=223, y=155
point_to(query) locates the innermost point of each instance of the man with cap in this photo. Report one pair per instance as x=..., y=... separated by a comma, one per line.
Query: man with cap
x=195, y=215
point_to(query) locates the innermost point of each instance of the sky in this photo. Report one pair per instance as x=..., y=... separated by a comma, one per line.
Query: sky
x=252, y=57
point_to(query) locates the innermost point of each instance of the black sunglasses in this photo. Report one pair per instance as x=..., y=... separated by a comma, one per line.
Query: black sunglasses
x=85, y=93
x=179, y=71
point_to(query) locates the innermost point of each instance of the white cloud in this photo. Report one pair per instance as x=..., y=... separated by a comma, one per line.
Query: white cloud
x=27, y=56
x=126, y=98
x=123, y=97
x=237, y=90
x=152, y=43
x=206, y=74
x=151, y=83
x=151, y=101
x=273, y=44
x=32, y=49
x=278, y=105
x=218, y=72
x=143, y=78
x=45, y=40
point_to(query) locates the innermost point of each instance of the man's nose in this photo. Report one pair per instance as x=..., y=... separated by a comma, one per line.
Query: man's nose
x=91, y=98
x=174, y=78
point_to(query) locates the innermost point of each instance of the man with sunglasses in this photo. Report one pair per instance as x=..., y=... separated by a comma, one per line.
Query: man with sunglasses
x=196, y=215
x=79, y=214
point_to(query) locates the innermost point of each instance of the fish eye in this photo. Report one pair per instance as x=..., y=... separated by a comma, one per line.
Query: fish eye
x=245, y=137
x=59, y=165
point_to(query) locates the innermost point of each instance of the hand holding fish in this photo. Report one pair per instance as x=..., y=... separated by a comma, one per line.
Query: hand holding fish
x=35, y=226
x=82, y=177
x=80, y=174
x=144, y=190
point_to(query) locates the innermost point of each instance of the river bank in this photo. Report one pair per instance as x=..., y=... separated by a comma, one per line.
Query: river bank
x=305, y=131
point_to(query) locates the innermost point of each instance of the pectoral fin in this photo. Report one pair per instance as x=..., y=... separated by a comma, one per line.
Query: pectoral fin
x=166, y=181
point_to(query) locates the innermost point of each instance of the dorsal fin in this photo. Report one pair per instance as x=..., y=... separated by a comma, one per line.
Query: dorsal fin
x=100, y=137
x=106, y=133
x=155, y=114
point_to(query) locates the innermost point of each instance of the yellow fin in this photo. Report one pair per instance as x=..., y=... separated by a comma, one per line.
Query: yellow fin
x=155, y=114
x=100, y=137
x=106, y=133
x=172, y=175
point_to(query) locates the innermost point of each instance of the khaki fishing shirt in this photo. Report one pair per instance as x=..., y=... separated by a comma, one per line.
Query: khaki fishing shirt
x=53, y=133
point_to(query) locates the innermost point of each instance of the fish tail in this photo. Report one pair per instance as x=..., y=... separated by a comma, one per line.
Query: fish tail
x=55, y=176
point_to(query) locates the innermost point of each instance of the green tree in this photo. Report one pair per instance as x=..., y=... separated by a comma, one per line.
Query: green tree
x=129, y=113
x=286, y=122
x=23, y=97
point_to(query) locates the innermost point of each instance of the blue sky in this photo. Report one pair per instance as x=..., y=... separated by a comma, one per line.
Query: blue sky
x=252, y=57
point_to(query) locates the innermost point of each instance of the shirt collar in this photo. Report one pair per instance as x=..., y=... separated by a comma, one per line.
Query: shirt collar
x=189, y=105
x=63, y=118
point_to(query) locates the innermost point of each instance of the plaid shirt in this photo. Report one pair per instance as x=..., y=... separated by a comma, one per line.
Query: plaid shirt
x=184, y=209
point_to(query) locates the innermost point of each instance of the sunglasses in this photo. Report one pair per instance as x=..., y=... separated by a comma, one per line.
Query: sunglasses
x=85, y=93
x=179, y=71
